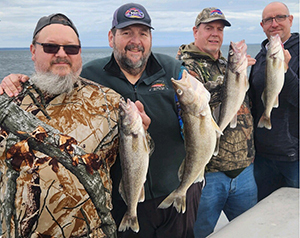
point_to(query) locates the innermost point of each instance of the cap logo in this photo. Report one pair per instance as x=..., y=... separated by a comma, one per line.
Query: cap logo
x=134, y=13
x=216, y=11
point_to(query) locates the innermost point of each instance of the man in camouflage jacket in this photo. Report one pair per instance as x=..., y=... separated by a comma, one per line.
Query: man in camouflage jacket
x=230, y=184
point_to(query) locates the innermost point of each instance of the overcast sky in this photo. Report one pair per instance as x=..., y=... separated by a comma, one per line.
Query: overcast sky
x=172, y=19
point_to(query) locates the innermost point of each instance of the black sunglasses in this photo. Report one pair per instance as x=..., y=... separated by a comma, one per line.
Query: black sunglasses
x=54, y=48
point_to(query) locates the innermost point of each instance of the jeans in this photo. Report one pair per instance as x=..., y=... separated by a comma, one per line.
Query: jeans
x=233, y=196
x=272, y=174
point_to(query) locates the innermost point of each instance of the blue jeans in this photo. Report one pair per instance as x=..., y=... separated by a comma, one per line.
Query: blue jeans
x=233, y=196
x=272, y=174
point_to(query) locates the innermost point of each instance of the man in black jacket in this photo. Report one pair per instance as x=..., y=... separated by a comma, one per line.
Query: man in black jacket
x=277, y=150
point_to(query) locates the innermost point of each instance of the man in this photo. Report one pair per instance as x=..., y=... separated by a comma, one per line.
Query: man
x=44, y=194
x=230, y=184
x=277, y=150
x=136, y=73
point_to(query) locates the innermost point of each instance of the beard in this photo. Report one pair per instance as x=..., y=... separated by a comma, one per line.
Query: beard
x=126, y=64
x=54, y=84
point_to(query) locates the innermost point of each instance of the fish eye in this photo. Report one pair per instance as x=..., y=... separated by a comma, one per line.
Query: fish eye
x=231, y=52
x=179, y=92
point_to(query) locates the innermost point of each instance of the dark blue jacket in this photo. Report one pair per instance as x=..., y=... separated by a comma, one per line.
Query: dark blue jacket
x=282, y=141
x=155, y=91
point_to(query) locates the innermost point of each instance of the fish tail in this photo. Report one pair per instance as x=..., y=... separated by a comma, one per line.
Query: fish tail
x=178, y=201
x=264, y=121
x=129, y=222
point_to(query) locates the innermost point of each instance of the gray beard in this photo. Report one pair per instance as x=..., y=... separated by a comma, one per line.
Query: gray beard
x=54, y=84
x=128, y=65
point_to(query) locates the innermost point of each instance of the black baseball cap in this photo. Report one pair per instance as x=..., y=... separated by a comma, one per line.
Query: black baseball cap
x=130, y=14
x=56, y=18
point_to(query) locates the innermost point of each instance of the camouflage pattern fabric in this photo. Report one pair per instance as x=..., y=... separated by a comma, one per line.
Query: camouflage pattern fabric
x=236, y=149
x=49, y=199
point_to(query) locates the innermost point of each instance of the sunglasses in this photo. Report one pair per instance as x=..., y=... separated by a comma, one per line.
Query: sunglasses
x=54, y=48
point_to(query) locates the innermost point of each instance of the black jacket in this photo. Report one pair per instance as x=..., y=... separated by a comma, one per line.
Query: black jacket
x=155, y=91
x=282, y=141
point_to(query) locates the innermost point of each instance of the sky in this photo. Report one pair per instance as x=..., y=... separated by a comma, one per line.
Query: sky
x=172, y=19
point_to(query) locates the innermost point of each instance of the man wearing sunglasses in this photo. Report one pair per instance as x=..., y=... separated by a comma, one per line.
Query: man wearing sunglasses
x=45, y=194
x=277, y=150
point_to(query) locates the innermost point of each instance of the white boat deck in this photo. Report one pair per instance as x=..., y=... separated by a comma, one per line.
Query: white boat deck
x=275, y=216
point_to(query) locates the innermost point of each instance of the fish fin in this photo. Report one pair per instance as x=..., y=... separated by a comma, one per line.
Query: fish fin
x=263, y=98
x=181, y=170
x=276, y=102
x=216, y=112
x=247, y=85
x=233, y=122
x=217, y=128
x=121, y=191
x=179, y=202
x=285, y=67
x=129, y=222
x=200, y=178
x=264, y=121
x=216, y=152
x=142, y=195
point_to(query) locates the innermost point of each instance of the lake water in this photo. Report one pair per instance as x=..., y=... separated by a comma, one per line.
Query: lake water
x=19, y=60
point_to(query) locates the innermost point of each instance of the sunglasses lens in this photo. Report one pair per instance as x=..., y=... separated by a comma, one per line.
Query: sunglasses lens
x=51, y=48
x=71, y=49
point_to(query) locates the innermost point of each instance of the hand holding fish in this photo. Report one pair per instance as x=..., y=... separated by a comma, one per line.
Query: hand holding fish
x=145, y=119
x=287, y=58
x=251, y=61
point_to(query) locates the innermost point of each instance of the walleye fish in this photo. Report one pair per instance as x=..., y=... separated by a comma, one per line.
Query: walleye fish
x=199, y=137
x=274, y=80
x=134, y=156
x=235, y=84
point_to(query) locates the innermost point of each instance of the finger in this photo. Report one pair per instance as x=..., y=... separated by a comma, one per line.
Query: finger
x=139, y=105
x=1, y=90
x=11, y=84
x=5, y=88
x=145, y=118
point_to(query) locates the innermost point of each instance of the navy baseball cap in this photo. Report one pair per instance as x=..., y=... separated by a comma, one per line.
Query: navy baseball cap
x=130, y=14
x=56, y=18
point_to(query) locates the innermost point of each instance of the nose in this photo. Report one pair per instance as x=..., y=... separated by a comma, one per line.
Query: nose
x=135, y=39
x=61, y=52
x=274, y=22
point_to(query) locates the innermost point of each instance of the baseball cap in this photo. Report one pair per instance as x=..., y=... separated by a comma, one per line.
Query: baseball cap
x=129, y=14
x=211, y=14
x=56, y=18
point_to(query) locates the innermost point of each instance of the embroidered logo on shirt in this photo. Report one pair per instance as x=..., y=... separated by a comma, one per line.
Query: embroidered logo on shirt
x=134, y=13
x=158, y=85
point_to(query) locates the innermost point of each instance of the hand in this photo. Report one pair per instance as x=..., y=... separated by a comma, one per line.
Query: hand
x=11, y=84
x=146, y=120
x=251, y=61
x=287, y=58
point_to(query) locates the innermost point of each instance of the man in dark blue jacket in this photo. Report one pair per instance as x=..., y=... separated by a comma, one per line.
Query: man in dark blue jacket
x=137, y=73
x=277, y=150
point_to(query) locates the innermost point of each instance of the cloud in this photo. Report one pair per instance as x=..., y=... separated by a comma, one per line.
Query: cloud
x=172, y=19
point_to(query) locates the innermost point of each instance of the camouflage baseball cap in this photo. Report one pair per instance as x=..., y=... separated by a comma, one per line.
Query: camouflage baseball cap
x=211, y=14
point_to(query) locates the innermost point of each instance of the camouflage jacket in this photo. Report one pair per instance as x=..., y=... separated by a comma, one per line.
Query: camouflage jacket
x=236, y=149
x=50, y=200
